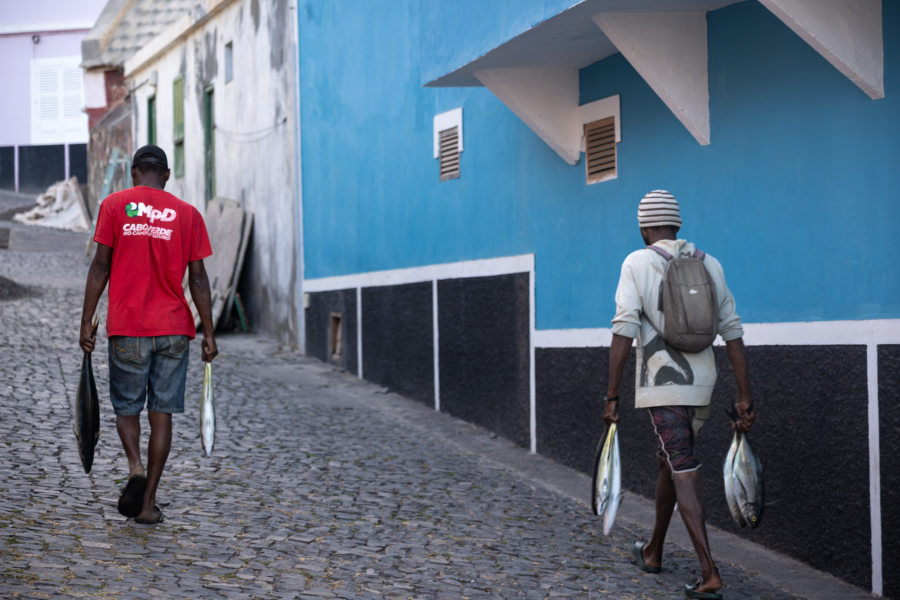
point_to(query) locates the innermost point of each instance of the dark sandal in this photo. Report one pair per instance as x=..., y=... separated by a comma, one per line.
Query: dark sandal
x=157, y=518
x=690, y=591
x=637, y=550
x=131, y=501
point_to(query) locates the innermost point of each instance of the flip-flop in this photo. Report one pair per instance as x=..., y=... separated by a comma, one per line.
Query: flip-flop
x=132, y=499
x=157, y=518
x=690, y=591
x=638, y=551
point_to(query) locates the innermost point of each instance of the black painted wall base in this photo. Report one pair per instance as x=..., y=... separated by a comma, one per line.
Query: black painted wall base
x=485, y=352
x=322, y=306
x=811, y=436
x=398, y=339
x=811, y=433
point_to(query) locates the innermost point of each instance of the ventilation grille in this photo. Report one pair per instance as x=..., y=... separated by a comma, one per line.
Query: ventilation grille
x=600, y=150
x=449, y=148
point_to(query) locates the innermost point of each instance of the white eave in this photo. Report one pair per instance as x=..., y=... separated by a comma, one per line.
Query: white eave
x=536, y=73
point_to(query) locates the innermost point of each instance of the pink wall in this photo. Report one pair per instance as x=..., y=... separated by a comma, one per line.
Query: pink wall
x=40, y=14
x=20, y=20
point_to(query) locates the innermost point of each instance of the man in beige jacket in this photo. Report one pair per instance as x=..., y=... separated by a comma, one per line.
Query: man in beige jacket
x=674, y=386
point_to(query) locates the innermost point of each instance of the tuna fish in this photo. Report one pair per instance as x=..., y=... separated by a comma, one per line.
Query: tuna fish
x=607, y=487
x=87, y=410
x=742, y=472
x=207, y=412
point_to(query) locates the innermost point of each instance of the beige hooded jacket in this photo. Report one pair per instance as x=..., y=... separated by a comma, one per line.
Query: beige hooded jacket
x=665, y=376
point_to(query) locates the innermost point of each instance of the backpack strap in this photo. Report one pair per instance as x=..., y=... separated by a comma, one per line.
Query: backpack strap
x=661, y=252
x=697, y=253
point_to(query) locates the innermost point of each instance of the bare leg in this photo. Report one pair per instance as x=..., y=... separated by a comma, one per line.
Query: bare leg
x=129, y=429
x=665, y=504
x=691, y=510
x=157, y=454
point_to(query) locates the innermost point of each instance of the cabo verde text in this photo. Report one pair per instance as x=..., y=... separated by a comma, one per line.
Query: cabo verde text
x=160, y=233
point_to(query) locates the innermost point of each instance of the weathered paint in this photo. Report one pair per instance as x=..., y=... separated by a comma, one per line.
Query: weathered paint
x=254, y=157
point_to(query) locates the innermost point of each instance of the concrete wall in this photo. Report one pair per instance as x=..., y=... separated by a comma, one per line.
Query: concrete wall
x=254, y=133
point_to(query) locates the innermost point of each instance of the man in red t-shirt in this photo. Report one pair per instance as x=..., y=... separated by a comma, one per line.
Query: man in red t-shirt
x=146, y=239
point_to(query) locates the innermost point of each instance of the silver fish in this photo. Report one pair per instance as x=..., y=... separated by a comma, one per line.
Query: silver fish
x=749, y=491
x=607, y=486
x=87, y=410
x=743, y=482
x=207, y=412
x=728, y=476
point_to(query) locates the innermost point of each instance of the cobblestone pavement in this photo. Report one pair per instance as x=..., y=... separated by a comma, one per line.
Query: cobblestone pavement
x=320, y=485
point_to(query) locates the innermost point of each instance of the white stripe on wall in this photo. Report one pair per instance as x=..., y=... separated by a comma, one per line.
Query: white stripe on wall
x=437, y=346
x=818, y=333
x=359, y=336
x=457, y=270
x=532, y=386
x=874, y=467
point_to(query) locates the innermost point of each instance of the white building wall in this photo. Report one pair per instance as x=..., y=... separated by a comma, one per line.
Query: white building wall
x=254, y=145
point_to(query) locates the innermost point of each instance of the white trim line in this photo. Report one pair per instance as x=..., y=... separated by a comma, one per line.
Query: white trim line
x=532, y=386
x=572, y=338
x=436, y=353
x=874, y=468
x=817, y=333
x=359, y=335
x=48, y=28
x=523, y=263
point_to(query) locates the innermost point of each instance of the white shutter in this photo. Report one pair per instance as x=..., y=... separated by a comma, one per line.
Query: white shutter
x=57, y=101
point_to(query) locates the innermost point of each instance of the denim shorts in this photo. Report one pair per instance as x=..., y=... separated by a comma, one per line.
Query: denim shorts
x=147, y=368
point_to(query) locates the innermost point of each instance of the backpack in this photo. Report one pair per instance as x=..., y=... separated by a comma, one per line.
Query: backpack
x=687, y=299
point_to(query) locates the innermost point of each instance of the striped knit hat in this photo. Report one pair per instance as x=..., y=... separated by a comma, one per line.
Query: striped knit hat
x=659, y=208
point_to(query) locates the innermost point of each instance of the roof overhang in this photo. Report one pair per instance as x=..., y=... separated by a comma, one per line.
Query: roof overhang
x=536, y=73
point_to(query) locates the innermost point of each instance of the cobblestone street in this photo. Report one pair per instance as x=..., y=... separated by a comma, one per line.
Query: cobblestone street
x=320, y=486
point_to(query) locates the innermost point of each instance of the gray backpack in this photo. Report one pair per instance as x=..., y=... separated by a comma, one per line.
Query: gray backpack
x=687, y=299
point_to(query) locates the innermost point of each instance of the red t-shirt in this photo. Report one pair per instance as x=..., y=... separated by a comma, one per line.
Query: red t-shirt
x=154, y=236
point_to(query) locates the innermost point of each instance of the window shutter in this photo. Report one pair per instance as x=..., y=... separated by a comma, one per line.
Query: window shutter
x=178, y=122
x=57, y=101
x=178, y=109
x=151, y=120
x=600, y=150
x=449, y=153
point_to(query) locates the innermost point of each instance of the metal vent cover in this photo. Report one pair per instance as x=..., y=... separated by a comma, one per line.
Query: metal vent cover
x=600, y=150
x=449, y=153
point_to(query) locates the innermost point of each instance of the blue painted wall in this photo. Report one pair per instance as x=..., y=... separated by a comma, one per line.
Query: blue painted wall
x=795, y=195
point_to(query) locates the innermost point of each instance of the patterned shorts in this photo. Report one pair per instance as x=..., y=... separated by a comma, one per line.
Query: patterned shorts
x=674, y=428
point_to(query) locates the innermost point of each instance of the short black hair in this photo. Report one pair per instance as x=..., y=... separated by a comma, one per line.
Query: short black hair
x=145, y=168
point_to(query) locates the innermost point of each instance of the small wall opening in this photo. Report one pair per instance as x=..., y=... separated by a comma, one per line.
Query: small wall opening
x=334, y=338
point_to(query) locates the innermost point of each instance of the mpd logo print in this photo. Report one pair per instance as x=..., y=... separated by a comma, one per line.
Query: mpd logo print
x=133, y=209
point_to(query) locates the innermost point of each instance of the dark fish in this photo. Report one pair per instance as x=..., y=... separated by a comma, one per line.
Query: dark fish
x=87, y=411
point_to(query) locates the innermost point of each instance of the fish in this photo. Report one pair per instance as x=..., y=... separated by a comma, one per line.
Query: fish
x=743, y=478
x=607, y=485
x=87, y=410
x=748, y=474
x=728, y=477
x=207, y=413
